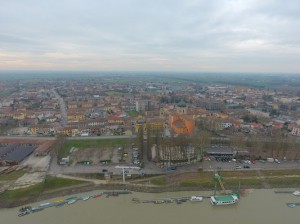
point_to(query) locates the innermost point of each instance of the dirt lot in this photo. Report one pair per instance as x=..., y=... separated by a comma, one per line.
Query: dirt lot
x=37, y=163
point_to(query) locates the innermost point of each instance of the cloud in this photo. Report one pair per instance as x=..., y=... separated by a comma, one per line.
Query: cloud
x=214, y=35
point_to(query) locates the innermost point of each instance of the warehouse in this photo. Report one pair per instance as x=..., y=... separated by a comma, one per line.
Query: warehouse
x=221, y=153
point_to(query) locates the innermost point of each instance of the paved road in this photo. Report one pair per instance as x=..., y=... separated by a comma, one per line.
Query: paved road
x=27, y=137
x=62, y=106
x=68, y=138
x=101, y=137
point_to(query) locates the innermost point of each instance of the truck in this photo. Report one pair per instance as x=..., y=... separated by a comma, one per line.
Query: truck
x=270, y=160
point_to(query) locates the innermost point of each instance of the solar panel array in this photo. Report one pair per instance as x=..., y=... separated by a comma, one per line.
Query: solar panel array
x=15, y=152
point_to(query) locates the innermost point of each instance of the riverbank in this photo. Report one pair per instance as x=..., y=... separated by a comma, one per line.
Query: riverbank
x=180, y=182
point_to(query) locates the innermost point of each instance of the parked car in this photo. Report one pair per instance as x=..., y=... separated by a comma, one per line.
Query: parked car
x=246, y=166
x=238, y=167
x=276, y=161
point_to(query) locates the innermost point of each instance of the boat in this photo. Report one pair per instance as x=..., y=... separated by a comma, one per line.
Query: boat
x=25, y=208
x=84, y=198
x=97, y=195
x=71, y=201
x=44, y=204
x=224, y=199
x=71, y=198
x=159, y=202
x=37, y=209
x=25, y=212
x=58, y=201
x=196, y=198
x=296, y=193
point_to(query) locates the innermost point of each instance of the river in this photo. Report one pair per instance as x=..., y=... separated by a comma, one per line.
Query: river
x=257, y=206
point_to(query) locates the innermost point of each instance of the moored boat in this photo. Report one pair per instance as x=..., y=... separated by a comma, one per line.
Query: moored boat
x=71, y=201
x=58, y=201
x=84, y=198
x=71, y=198
x=196, y=198
x=224, y=199
x=96, y=195
x=25, y=208
x=44, y=204
x=159, y=202
x=37, y=209
x=23, y=213
x=296, y=193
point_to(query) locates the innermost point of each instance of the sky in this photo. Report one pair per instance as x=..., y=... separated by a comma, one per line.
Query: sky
x=151, y=35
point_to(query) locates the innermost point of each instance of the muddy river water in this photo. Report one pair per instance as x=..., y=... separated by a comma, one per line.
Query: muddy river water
x=257, y=206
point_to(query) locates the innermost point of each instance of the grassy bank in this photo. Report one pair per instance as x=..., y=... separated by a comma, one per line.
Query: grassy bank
x=52, y=183
x=12, y=197
x=22, y=194
x=231, y=179
x=284, y=182
x=160, y=181
x=11, y=176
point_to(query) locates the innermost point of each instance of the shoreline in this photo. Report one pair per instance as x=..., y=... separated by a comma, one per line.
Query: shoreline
x=113, y=187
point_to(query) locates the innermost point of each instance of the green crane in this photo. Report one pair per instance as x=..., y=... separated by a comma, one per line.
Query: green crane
x=218, y=179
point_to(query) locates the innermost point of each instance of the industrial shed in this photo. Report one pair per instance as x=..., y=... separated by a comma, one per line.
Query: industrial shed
x=221, y=153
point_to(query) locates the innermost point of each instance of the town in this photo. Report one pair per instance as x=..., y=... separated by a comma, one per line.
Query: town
x=138, y=126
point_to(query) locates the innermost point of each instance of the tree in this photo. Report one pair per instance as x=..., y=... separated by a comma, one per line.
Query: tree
x=58, y=145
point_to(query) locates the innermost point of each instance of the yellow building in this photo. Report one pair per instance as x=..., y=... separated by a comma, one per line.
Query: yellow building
x=19, y=116
x=33, y=130
x=152, y=123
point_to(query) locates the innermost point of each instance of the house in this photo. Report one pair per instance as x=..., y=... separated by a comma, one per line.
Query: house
x=296, y=131
x=75, y=116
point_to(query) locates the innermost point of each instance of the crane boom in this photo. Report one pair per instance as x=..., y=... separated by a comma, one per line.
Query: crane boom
x=218, y=178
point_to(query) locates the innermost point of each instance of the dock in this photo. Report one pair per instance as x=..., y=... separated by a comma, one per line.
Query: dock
x=178, y=200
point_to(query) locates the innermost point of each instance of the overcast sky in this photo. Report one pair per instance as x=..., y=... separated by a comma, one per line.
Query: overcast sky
x=148, y=35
